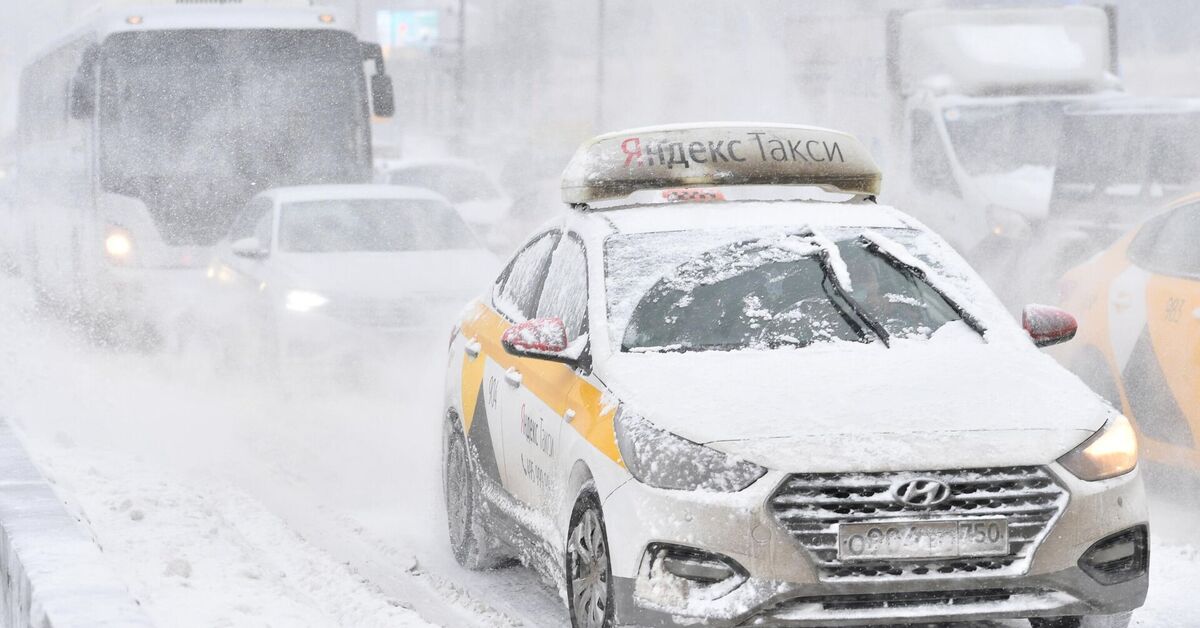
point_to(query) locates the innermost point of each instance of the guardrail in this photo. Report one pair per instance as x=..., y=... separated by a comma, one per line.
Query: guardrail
x=52, y=573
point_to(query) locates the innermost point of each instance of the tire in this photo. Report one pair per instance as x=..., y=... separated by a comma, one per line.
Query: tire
x=1092, y=621
x=588, y=566
x=470, y=540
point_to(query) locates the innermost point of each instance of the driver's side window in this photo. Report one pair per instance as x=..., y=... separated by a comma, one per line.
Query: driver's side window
x=516, y=293
x=1167, y=243
x=249, y=221
x=564, y=295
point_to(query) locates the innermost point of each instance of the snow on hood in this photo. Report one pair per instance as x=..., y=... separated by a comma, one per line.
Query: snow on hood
x=1026, y=190
x=922, y=404
x=389, y=275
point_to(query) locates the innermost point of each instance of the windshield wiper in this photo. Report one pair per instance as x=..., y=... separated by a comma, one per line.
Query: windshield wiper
x=872, y=324
x=832, y=275
x=918, y=274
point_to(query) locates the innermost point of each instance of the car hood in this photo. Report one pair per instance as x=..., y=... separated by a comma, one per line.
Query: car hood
x=1026, y=190
x=847, y=406
x=391, y=275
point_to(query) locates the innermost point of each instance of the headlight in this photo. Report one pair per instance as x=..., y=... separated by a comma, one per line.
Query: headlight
x=664, y=460
x=118, y=244
x=304, y=301
x=1008, y=223
x=1108, y=453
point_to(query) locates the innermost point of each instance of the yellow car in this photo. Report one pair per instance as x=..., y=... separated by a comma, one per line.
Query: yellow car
x=1138, y=342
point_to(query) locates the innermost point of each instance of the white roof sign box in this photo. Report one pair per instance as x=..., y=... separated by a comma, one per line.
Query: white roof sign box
x=718, y=154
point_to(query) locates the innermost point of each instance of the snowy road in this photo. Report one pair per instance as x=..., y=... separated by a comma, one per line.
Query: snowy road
x=223, y=505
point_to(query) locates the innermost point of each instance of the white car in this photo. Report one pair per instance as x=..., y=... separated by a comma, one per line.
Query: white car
x=318, y=273
x=728, y=388
x=470, y=188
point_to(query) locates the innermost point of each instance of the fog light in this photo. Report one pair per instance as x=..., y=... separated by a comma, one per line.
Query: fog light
x=674, y=574
x=698, y=566
x=1118, y=558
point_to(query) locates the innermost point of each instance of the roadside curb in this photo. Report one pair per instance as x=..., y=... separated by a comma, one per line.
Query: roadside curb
x=52, y=574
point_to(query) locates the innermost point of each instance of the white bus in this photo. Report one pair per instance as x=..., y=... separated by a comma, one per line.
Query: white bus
x=144, y=131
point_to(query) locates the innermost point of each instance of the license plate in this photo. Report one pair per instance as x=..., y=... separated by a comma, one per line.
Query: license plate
x=986, y=536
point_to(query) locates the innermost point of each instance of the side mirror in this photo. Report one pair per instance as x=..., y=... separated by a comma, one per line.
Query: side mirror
x=249, y=248
x=383, y=96
x=1048, y=325
x=541, y=338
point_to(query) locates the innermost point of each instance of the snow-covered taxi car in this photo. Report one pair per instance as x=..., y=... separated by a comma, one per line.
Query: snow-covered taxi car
x=727, y=388
x=1139, y=302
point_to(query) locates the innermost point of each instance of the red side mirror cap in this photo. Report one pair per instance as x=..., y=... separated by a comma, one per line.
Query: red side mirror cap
x=537, y=338
x=1048, y=325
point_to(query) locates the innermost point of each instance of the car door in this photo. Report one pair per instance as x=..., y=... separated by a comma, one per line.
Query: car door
x=534, y=413
x=515, y=298
x=1162, y=371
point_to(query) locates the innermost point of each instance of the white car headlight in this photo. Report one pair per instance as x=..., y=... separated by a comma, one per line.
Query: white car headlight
x=664, y=460
x=1108, y=453
x=304, y=300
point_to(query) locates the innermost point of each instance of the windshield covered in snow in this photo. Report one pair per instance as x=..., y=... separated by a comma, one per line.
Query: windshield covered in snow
x=766, y=292
x=458, y=185
x=194, y=123
x=371, y=225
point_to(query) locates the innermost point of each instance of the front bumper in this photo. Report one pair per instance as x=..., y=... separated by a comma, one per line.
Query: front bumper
x=785, y=587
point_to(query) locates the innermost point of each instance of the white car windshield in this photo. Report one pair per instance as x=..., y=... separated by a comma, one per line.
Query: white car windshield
x=717, y=292
x=372, y=225
x=458, y=185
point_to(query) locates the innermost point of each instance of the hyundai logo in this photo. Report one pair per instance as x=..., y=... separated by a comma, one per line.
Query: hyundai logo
x=920, y=492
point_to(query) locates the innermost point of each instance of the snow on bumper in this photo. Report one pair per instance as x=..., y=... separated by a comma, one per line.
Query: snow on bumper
x=777, y=582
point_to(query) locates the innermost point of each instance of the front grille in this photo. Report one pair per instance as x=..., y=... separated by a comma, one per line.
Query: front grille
x=810, y=506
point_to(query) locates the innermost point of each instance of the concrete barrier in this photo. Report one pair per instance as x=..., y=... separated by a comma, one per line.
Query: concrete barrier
x=52, y=573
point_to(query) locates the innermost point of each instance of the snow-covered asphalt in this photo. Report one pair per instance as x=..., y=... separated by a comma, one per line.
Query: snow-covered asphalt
x=223, y=502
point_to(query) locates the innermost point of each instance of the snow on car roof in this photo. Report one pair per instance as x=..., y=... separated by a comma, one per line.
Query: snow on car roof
x=331, y=192
x=706, y=215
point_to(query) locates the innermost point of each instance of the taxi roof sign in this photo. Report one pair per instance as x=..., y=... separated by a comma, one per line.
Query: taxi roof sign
x=617, y=164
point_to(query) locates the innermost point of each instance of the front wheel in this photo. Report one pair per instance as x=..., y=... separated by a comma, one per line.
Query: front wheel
x=469, y=538
x=1091, y=621
x=589, y=570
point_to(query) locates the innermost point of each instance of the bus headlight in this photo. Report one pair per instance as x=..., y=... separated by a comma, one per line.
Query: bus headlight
x=664, y=460
x=1108, y=453
x=304, y=300
x=118, y=244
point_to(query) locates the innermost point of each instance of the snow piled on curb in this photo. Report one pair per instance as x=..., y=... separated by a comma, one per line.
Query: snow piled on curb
x=204, y=554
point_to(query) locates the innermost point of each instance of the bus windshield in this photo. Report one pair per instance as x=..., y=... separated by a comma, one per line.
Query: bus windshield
x=195, y=122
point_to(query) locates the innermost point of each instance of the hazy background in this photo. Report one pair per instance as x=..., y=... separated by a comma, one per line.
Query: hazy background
x=540, y=76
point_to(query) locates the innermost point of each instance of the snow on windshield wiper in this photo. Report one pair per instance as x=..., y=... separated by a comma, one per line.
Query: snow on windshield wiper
x=899, y=258
x=839, y=275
